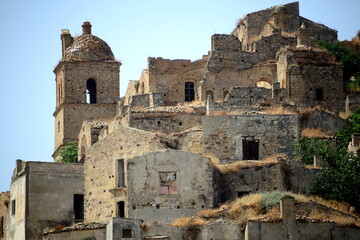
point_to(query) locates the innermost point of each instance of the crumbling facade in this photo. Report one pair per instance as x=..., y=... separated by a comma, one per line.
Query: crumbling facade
x=168, y=148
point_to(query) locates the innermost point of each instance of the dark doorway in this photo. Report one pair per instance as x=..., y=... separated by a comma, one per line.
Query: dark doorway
x=91, y=91
x=250, y=149
x=319, y=94
x=79, y=206
x=121, y=209
x=189, y=92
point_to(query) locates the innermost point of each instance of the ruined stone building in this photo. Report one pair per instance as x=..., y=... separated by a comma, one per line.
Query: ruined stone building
x=166, y=150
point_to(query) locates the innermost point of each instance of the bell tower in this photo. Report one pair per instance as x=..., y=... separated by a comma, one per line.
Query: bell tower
x=87, y=84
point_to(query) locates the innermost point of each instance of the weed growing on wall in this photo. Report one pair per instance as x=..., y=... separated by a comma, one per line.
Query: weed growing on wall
x=69, y=153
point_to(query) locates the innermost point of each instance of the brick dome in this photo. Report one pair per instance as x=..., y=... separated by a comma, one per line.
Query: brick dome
x=88, y=47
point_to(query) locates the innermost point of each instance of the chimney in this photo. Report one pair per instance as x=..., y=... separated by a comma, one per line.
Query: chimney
x=66, y=40
x=86, y=27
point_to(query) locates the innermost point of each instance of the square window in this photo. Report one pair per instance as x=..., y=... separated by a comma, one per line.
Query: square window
x=126, y=233
x=167, y=182
x=250, y=149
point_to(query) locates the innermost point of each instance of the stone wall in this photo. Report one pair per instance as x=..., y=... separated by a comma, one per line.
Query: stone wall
x=93, y=234
x=263, y=178
x=352, y=102
x=102, y=190
x=248, y=96
x=4, y=214
x=168, y=184
x=165, y=121
x=169, y=76
x=69, y=118
x=224, y=136
x=318, y=118
x=49, y=190
x=312, y=78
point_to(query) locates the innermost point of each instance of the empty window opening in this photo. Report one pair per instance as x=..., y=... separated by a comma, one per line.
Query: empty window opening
x=241, y=194
x=121, y=173
x=127, y=233
x=250, y=149
x=91, y=91
x=189, y=92
x=167, y=182
x=209, y=93
x=225, y=94
x=158, y=123
x=13, y=207
x=121, y=209
x=319, y=94
x=58, y=126
x=180, y=123
x=79, y=206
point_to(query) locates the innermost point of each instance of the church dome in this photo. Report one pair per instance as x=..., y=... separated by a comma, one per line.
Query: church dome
x=88, y=47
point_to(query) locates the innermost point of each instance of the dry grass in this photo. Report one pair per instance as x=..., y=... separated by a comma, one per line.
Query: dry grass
x=279, y=110
x=236, y=166
x=341, y=220
x=189, y=222
x=315, y=133
x=341, y=206
x=306, y=111
x=251, y=207
x=344, y=115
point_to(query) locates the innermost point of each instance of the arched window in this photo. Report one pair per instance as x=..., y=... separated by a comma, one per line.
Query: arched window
x=91, y=91
x=209, y=93
x=189, y=92
x=264, y=84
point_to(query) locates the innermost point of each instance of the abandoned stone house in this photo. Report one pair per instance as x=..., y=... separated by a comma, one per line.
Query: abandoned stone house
x=155, y=155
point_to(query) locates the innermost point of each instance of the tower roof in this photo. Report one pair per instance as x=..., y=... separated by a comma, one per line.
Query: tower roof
x=88, y=47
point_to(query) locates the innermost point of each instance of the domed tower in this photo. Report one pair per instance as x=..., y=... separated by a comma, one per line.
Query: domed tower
x=87, y=84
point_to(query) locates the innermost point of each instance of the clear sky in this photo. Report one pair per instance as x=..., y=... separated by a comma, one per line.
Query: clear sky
x=135, y=29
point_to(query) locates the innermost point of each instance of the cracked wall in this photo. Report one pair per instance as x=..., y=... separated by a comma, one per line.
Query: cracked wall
x=191, y=174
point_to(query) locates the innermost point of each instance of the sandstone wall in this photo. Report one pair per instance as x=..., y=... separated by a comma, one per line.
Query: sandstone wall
x=101, y=169
x=71, y=117
x=169, y=77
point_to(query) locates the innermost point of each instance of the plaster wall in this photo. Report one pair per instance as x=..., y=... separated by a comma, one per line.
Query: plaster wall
x=190, y=188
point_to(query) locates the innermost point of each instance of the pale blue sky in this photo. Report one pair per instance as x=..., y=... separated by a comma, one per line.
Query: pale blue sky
x=30, y=49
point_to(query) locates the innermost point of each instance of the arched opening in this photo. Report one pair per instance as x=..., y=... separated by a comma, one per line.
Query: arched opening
x=225, y=94
x=264, y=84
x=82, y=149
x=189, y=92
x=209, y=93
x=91, y=91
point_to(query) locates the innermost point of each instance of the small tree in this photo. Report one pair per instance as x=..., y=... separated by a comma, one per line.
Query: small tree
x=340, y=176
x=68, y=153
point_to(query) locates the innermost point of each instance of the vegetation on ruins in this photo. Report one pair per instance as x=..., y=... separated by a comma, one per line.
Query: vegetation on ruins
x=339, y=178
x=68, y=153
x=350, y=62
x=266, y=206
